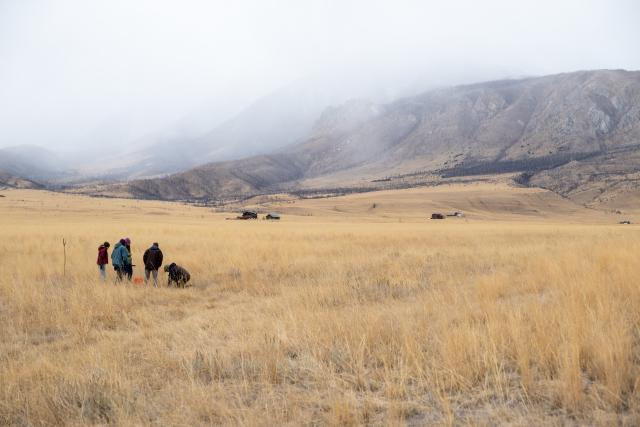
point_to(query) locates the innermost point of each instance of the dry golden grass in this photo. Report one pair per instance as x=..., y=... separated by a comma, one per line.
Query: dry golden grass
x=321, y=318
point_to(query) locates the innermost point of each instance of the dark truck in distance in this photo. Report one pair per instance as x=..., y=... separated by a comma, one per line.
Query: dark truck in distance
x=248, y=215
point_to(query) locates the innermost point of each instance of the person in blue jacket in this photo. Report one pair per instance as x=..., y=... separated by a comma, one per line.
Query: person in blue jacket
x=120, y=259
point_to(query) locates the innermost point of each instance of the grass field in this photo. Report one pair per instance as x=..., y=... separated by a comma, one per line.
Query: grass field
x=524, y=312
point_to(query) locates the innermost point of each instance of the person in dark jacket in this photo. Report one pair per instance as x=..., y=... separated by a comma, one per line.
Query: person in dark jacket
x=119, y=258
x=103, y=259
x=152, y=260
x=177, y=275
x=128, y=266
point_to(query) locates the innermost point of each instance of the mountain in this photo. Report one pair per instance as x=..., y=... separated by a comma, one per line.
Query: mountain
x=556, y=130
x=213, y=132
x=11, y=181
x=258, y=173
x=32, y=163
x=610, y=178
x=279, y=119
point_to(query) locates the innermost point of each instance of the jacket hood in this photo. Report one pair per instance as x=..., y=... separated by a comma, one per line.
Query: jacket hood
x=117, y=245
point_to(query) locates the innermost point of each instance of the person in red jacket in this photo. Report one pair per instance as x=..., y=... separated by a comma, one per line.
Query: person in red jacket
x=103, y=259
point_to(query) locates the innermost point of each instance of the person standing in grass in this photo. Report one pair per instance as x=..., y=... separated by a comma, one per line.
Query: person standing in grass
x=119, y=258
x=152, y=260
x=128, y=266
x=103, y=260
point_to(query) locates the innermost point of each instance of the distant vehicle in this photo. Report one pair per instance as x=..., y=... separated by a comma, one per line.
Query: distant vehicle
x=625, y=222
x=437, y=216
x=457, y=214
x=272, y=216
x=248, y=215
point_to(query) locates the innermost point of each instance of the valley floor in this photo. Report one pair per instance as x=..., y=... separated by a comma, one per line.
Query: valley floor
x=352, y=310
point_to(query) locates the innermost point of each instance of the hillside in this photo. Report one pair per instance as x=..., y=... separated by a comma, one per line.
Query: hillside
x=11, y=181
x=278, y=119
x=31, y=163
x=553, y=128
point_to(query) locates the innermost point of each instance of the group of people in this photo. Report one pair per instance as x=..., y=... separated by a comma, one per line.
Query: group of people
x=121, y=260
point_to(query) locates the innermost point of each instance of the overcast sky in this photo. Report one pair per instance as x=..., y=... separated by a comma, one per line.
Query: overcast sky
x=86, y=73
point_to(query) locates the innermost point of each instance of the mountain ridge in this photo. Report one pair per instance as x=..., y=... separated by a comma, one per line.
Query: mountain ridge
x=534, y=125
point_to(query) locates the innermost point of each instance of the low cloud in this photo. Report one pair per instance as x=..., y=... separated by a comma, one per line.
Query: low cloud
x=99, y=75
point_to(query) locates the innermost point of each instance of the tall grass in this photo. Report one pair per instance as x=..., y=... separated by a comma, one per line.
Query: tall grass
x=321, y=323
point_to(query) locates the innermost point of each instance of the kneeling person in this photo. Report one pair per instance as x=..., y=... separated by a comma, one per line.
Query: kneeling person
x=152, y=260
x=177, y=275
